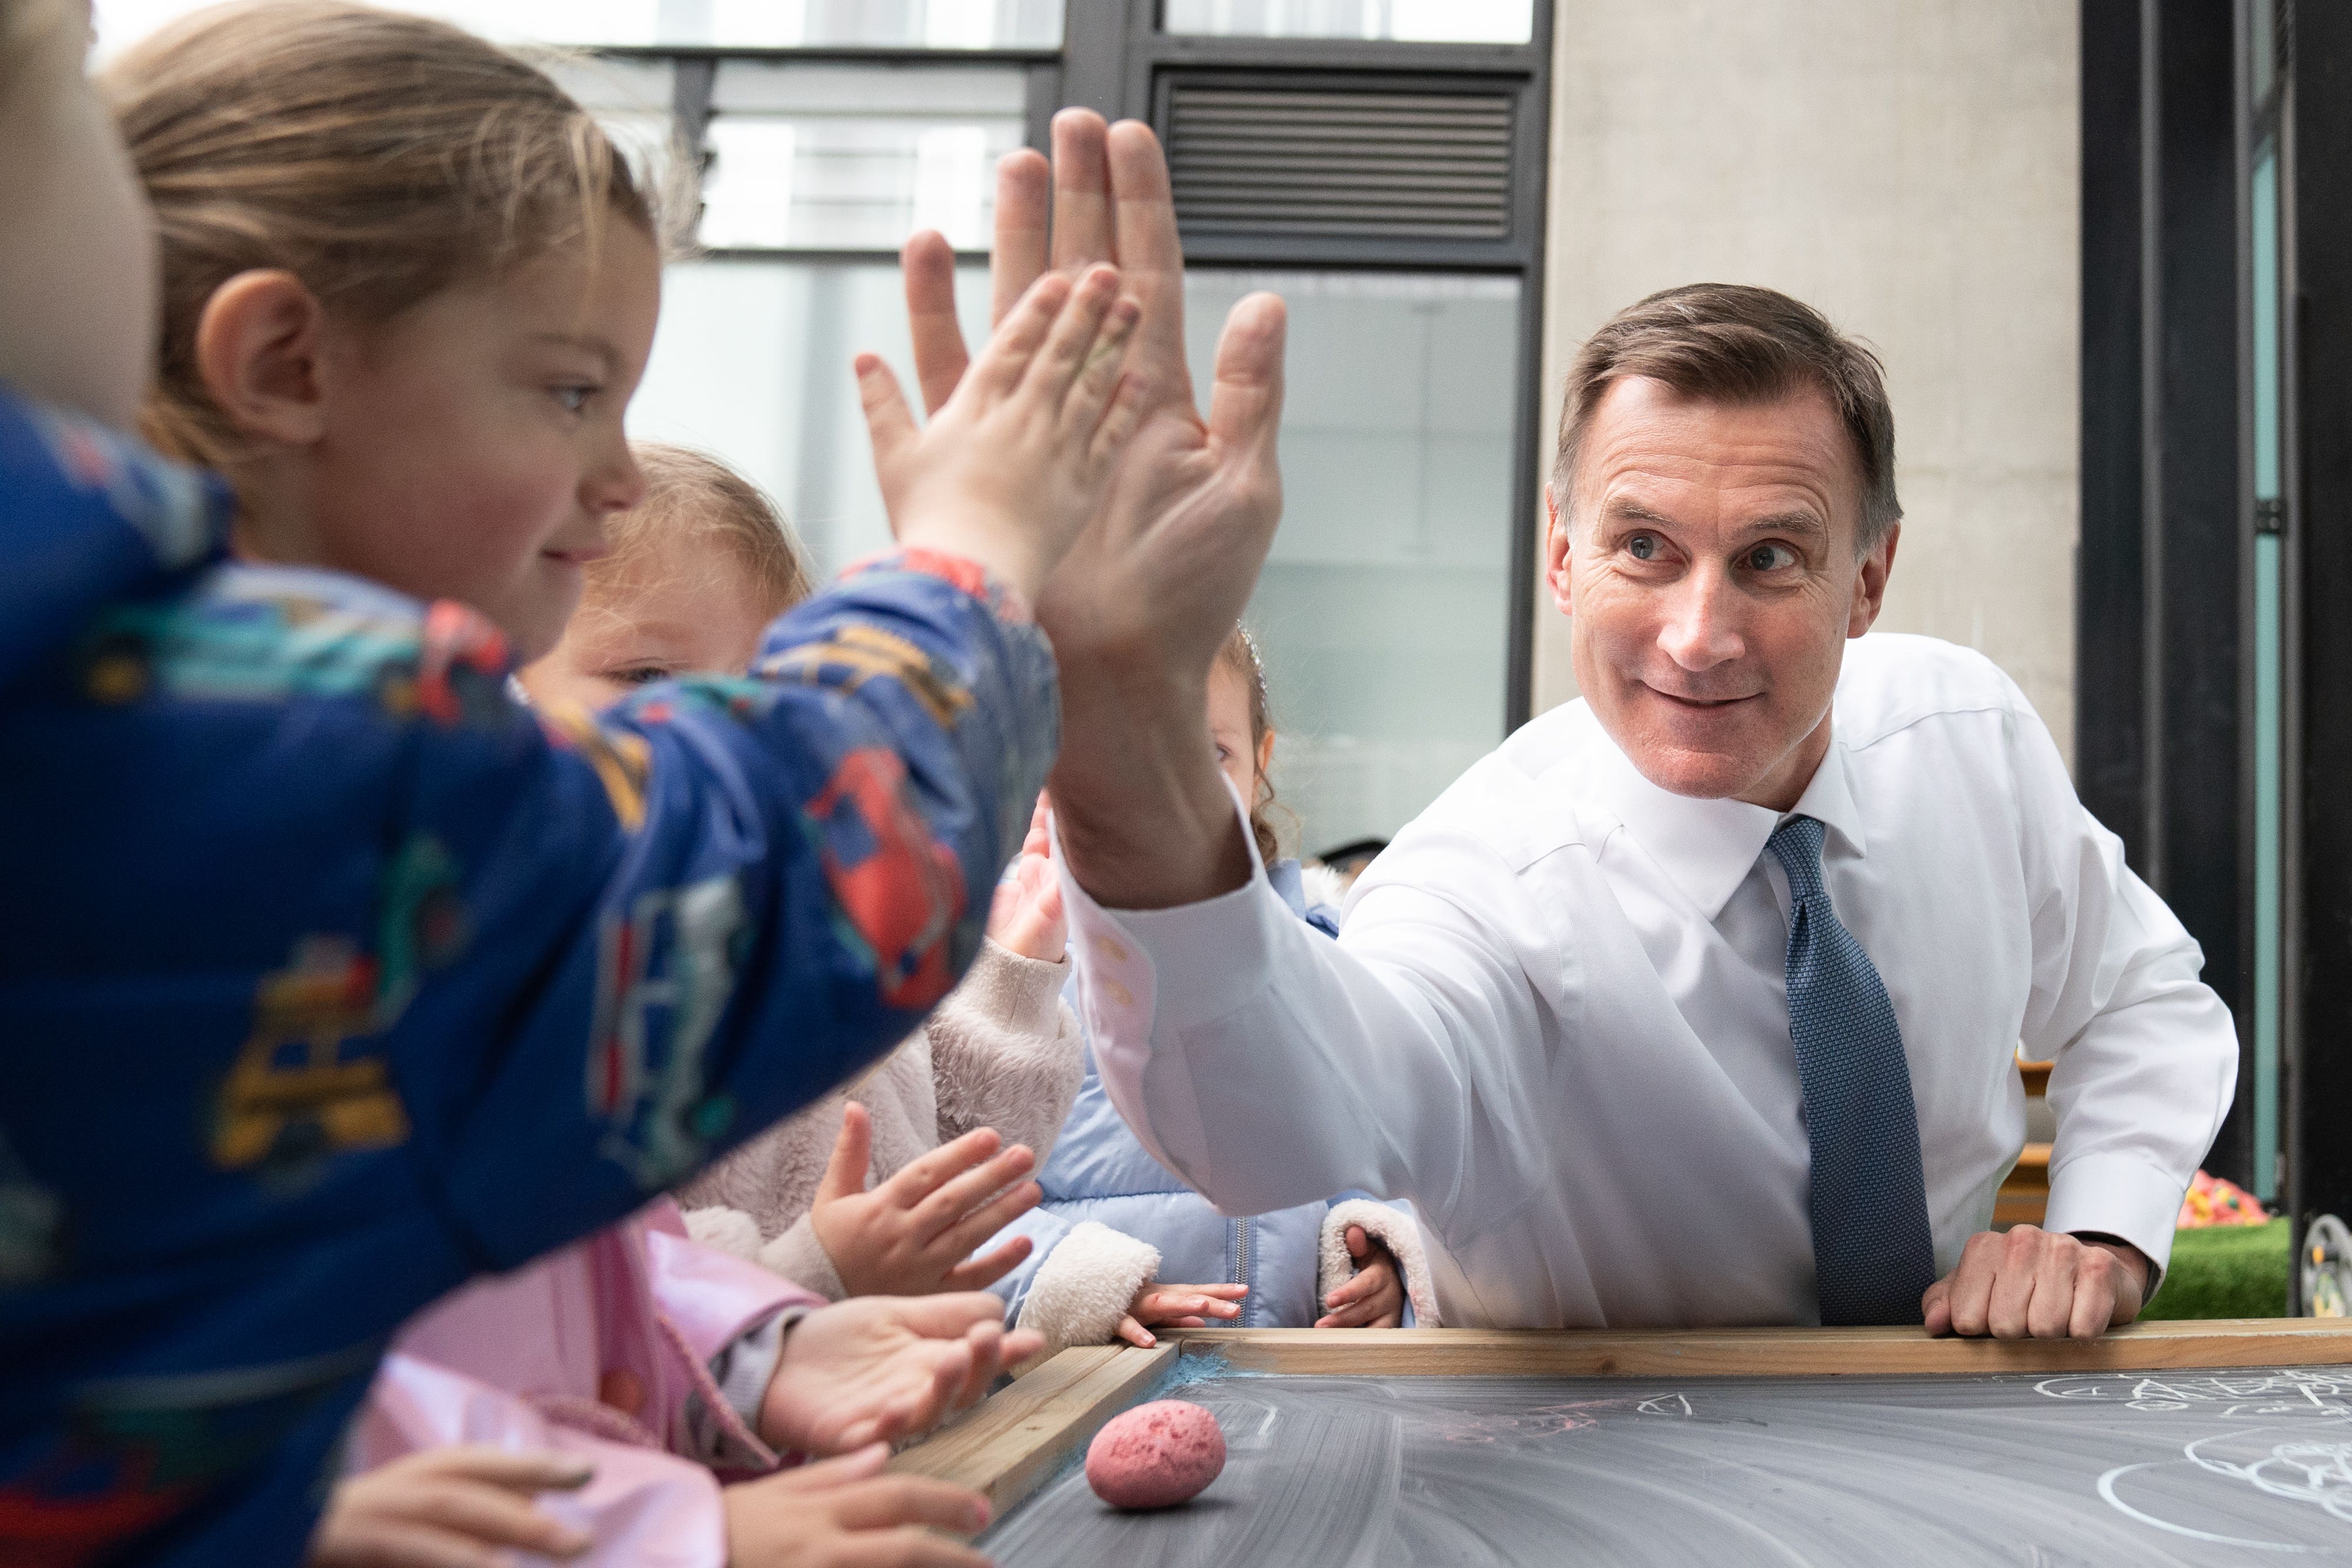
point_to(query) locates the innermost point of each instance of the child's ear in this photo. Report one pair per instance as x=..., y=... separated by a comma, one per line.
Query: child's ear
x=261, y=348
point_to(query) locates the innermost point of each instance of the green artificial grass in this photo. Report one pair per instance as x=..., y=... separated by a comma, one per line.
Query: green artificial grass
x=2226, y=1271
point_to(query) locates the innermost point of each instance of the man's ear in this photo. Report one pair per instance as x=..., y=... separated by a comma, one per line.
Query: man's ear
x=1870, y=582
x=261, y=348
x=1558, y=547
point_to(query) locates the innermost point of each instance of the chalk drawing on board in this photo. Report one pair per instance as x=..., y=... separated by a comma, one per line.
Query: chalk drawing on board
x=2294, y=1392
x=2295, y=1464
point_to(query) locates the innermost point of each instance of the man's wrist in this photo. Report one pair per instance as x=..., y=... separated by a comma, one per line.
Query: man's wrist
x=2142, y=1267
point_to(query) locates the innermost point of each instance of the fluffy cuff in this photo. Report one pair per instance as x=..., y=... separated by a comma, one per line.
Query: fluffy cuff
x=801, y=1258
x=728, y=1230
x=1081, y=1292
x=1392, y=1229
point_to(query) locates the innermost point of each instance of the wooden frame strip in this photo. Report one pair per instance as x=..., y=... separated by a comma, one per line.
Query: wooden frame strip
x=1764, y=1352
x=1017, y=1437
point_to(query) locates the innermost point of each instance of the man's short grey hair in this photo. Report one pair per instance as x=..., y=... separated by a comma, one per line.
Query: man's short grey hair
x=1732, y=343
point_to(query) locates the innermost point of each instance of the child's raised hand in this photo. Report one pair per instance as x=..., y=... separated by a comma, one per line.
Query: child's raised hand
x=1374, y=1299
x=460, y=1507
x=845, y=1513
x=1177, y=1307
x=1013, y=465
x=1028, y=916
x=913, y=1235
x=880, y=1368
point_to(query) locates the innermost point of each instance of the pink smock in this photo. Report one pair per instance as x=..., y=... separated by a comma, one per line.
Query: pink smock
x=545, y=1357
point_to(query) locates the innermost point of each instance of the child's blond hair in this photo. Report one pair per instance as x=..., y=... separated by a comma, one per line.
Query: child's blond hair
x=1239, y=653
x=380, y=158
x=689, y=493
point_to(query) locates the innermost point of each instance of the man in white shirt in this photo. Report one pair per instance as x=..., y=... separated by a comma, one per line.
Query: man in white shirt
x=1697, y=1001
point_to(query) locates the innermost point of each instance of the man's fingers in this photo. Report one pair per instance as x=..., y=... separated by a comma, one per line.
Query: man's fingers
x=1245, y=404
x=1025, y=197
x=2050, y=1313
x=953, y=1200
x=922, y=1176
x=1082, y=220
x=2099, y=1290
x=2020, y=1259
x=1972, y=1283
x=1150, y=255
x=1935, y=1308
x=980, y=1273
x=889, y=423
x=927, y=263
x=853, y=1153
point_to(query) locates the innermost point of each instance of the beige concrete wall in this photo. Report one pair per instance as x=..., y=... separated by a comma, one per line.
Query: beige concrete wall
x=1908, y=166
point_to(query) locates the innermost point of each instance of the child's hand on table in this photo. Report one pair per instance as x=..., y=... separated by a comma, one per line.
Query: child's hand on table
x=1028, y=916
x=1374, y=1299
x=913, y=1235
x=1177, y=1307
x=883, y=1368
x=448, y=1508
x=845, y=1513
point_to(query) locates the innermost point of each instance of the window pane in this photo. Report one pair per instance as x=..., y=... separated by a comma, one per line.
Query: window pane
x=751, y=364
x=1384, y=610
x=1404, y=21
x=852, y=157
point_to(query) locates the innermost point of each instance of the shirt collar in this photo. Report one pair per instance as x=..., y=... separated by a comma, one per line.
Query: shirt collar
x=1708, y=847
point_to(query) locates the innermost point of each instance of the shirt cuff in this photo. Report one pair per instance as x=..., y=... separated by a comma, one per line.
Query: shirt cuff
x=1122, y=952
x=2117, y=1195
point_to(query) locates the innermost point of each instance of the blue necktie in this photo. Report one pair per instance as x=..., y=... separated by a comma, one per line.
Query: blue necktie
x=1873, y=1253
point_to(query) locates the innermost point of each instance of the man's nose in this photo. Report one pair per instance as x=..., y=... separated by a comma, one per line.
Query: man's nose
x=1702, y=627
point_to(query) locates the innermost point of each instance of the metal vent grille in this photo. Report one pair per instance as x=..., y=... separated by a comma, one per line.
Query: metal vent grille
x=1360, y=163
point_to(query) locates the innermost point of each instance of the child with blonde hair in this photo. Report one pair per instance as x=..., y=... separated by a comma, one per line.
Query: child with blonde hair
x=354, y=981
x=1117, y=1229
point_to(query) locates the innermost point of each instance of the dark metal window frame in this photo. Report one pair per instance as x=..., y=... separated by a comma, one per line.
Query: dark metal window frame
x=1116, y=59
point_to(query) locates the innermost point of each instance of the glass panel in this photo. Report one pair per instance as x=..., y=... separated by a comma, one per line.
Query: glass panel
x=2261, y=30
x=901, y=23
x=751, y=364
x=1383, y=612
x=856, y=157
x=1402, y=21
x=632, y=100
x=2268, y=659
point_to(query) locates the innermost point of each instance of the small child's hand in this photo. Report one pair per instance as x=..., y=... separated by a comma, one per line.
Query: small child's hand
x=1177, y=1307
x=1028, y=916
x=913, y=1235
x=1374, y=1299
x=448, y=1508
x=840, y=1511
x=883, y=1368
x=1011, y=466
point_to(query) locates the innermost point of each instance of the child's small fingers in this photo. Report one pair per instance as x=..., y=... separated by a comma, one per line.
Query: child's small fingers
x=1006, y=358
x=1090, y=392
x=991, y=1217
x=922, y=1176
x=497, y=1517
x=980, y=1273
x=956, y=1198
x=1121, y=419
x=1070, y=345
x=1135, y=1333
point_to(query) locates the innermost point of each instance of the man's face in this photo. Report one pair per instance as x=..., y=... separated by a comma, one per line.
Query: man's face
x=1707, y=566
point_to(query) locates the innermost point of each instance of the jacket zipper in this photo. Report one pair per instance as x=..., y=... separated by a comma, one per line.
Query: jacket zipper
x=1242, y=1267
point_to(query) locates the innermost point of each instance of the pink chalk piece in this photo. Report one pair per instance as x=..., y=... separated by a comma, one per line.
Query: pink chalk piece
x=1155, y=1455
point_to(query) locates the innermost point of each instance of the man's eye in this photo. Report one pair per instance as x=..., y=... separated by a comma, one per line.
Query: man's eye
x=1771, y=558
x=1643, y=547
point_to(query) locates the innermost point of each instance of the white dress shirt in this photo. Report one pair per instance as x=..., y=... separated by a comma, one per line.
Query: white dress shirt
x=1556, y=1019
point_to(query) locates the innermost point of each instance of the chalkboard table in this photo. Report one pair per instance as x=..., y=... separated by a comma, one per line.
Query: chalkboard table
x=2194, y=1443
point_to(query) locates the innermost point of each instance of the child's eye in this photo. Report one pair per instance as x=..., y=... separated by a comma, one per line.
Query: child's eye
x=640, y=675
x=573, y=398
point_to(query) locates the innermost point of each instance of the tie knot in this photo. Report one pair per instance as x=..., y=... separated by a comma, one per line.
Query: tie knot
x=1797, y=843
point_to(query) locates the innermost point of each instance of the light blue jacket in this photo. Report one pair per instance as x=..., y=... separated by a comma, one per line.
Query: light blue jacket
x=1100, y=1171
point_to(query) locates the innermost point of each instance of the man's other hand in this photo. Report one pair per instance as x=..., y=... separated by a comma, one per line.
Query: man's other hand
x=2029, y=1284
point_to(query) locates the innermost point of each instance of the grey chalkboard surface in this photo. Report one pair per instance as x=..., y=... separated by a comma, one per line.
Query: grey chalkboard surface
x=2147, y=1470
